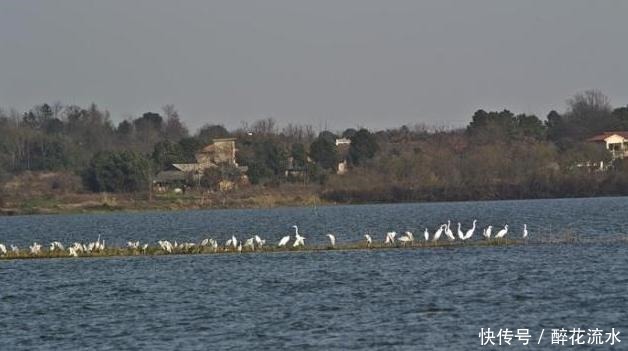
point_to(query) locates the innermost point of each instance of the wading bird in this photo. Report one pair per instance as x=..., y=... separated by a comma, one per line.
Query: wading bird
x=390, y=238
x=502, y=232
x=259, y=241
x=3, y=249
x=284, y=241
x=332, y=239
x=439, y=232
x=250, y=243
x=408, y=237
x=298, y=239
x=460, y=233
x=165, y=245
x=487, y=232
x=470, y=232
x=369, y=240
x=426, y=235
x=525, y=230
x=35, y=248
x=448, y=232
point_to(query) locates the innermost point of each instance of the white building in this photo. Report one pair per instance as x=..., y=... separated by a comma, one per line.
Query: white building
x=615, y=142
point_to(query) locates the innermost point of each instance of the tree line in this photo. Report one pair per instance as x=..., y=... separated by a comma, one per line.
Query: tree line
x=499, y=154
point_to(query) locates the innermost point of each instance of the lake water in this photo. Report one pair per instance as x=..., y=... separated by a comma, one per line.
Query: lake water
x=334, y=300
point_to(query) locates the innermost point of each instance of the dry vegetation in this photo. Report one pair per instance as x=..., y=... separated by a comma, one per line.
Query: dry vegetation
x=61, y=192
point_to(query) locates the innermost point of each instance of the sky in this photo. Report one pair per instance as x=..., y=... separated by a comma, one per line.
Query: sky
x=335, y=63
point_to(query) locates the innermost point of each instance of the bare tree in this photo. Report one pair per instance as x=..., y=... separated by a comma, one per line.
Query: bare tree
x=588, y=103
x=266, y=126
x=174, y=129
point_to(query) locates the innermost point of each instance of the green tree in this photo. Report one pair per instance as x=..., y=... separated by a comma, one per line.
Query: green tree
x=166, y=153
x=530, y=126
x=349, y=133
x=209, y=132
x=299, y=155
x=189, y=147
x=323, y=151
x=329, y=136
x=265, y=158
x=363, y=147
x=123, y=171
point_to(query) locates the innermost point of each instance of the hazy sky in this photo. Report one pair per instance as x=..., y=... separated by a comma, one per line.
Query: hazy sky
x=346, y=63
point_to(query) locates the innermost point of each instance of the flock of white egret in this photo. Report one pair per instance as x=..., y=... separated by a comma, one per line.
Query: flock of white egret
x=253, y=243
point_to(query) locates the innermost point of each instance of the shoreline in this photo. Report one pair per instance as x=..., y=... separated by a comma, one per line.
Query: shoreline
x=264, y=201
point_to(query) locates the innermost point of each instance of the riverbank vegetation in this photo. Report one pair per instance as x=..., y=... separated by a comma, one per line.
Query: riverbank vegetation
x=56, y=158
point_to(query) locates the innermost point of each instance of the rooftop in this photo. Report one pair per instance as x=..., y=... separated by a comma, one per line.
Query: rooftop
x=604, y=135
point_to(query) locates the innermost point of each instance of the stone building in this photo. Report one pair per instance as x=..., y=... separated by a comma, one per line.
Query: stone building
x=221, y=153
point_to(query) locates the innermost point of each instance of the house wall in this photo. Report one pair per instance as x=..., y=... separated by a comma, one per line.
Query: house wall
x=221, y=151
x=614, y=139
x=224, y=151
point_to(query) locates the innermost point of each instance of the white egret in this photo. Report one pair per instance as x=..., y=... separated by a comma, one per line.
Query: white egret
x=332, y=239
x=165, y=245
x=15, y=249
x=239, y=248
x=298, y=239
x=72, y=252
x=234, y=241
x=3, y=249
x=487, y=232
x=259, y=241
x=502, y=232
x=439, y=232
x=369, y=240
x=525, y=230
x=448, y=232
x=426, y=235
x=390, y=238
x=460, y=233
x=35, y=248
x=55, y=245
x=408, y=237
x=250, y=243
x=205, y=242
x=78, y=247
x=470, y=232
x=284, y=241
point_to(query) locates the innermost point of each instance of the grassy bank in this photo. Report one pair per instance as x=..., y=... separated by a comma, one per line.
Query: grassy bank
x=26, y=203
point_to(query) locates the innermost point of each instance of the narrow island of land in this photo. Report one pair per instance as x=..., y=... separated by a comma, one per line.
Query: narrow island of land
x=209, y=247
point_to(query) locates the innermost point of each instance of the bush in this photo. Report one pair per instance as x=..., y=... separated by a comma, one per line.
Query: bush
x=123, y=171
